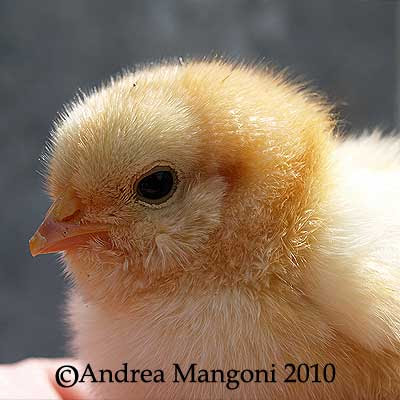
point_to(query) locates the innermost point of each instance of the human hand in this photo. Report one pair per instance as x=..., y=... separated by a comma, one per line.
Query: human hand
x=34, y=378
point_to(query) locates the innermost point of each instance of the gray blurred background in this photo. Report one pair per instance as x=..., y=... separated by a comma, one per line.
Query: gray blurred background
x=49, y=49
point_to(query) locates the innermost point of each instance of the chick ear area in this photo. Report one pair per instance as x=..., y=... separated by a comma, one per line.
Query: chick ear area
x=156, y=186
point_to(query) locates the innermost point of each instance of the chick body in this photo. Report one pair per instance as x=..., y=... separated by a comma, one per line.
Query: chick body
x=281, y=244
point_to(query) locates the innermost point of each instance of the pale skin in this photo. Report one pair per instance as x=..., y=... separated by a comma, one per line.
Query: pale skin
x=34, y=378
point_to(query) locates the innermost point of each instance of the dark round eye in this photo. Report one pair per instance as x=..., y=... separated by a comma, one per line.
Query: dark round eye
x=157, y=185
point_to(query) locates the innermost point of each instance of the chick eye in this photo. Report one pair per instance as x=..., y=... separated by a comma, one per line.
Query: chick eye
x=157, y=185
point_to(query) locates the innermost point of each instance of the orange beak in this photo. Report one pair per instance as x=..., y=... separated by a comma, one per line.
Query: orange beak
x=59, y=232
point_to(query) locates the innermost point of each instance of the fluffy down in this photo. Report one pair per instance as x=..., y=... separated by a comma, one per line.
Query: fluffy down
x=280, y=245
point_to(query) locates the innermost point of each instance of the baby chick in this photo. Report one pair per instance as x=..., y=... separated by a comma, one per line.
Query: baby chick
x=209, y=214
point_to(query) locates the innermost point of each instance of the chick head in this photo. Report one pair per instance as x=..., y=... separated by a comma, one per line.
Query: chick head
x=207, y=171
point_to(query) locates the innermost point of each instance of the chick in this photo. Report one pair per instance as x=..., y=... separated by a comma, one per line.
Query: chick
x=209, y=213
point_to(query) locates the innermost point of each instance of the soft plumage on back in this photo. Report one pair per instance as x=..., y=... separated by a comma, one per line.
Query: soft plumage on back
x=278, y=243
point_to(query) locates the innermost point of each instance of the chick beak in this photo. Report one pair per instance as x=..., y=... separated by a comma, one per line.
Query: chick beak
x=61, y=229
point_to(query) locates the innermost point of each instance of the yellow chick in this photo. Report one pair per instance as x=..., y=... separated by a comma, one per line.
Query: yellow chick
x=211, y=221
